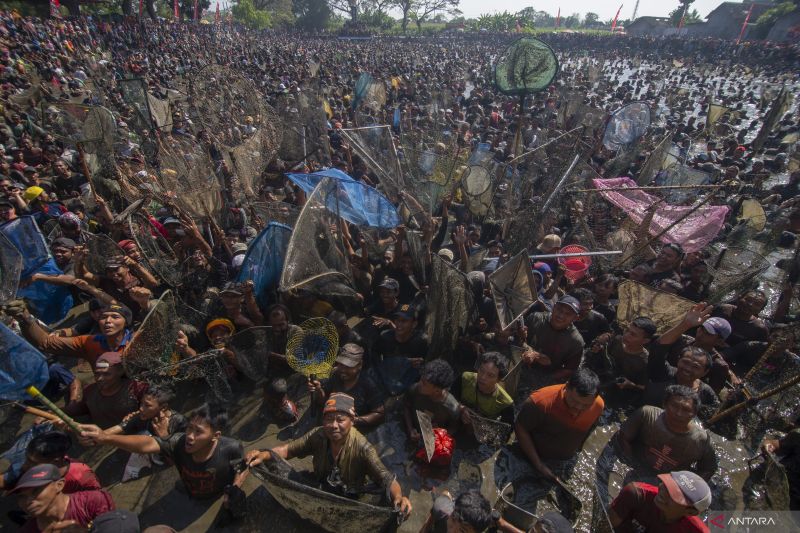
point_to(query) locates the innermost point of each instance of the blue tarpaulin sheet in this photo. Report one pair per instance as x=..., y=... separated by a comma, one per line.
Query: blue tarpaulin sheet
x=355, y=202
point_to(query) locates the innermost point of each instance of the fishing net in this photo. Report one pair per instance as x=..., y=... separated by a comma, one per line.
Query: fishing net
x=626, y=125
x=476, y=180
x=543, y=198
x=312, y=350
x=10, y=269
x=93, y=127
x=100, y=249
x=375, y=146
x=766, y=488
x=155, y=248
x=151, y=356
x=279, y=212
x=328, y=511
x=513, y=289
x=152, y=347
x=450, y=307
x=221, y=100
x=732, y=269
x=188, y=177
x=263, y=262
x=528, y=65
x=304, y=127
x=134, y=93
x=493, y=433
x=21, y=365
x=682, y=175
x=600, y=520
x=419, y=255
x=656, y=162
x=637, y=299
x=315, y=257
x=24, y=235
x=250, y=348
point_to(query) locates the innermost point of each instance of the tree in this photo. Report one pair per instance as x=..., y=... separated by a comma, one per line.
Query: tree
x=422, y=10
x=245, y=12
x=351, y=8
x=691, y=17
x=591, y=20
x=769, y=17
x=311, y=14
x=572, y=21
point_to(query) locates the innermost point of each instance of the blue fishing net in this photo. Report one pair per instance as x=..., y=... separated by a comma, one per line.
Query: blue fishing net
x=264, y=260
x=21, y=365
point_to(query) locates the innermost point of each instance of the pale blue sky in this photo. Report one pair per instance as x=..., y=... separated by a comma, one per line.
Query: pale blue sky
x=605, y=8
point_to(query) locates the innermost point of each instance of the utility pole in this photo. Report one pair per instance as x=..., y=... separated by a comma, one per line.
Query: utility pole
x=635, y=10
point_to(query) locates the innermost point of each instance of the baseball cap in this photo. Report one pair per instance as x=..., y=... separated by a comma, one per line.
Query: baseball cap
x=220, y=322
x=339, y=402
x=542, y=267
x=572, y=302
x=231, y=288
x=108, y=359
x=687, y=488
x=406, y=311
x=390, y=283
x=239, y=248
x=171, y=220
x=350, y=355
x=117, y=521
x=62, y=242
x=37, y=476
x=718, y=326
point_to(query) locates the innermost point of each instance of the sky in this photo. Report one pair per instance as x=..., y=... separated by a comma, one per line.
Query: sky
x=605, y=8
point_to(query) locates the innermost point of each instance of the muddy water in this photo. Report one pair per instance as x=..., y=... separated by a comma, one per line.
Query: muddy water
x=158, y=498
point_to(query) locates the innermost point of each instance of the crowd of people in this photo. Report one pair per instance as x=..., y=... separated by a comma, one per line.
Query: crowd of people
x=92, y=278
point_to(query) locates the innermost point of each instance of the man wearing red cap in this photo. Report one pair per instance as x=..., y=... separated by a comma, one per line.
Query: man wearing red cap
x=40, y=493
x=672, y=506
x=343, y=458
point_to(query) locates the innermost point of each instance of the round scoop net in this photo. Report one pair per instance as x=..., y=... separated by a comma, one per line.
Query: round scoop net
x=312, y=350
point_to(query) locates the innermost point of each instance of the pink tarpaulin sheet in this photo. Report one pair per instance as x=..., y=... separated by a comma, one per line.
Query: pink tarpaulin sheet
x=693, y=232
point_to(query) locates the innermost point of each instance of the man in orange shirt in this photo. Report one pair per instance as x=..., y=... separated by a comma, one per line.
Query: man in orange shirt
x=554, y=421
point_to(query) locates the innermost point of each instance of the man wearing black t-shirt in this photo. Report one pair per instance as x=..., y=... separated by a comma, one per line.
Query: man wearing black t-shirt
x=400, y=351
x=204, y=458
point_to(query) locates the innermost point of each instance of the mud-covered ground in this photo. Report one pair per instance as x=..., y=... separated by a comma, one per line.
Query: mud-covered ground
x=158, y=498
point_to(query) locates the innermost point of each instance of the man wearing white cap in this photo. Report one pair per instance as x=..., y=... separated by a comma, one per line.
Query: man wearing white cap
x=672, y=506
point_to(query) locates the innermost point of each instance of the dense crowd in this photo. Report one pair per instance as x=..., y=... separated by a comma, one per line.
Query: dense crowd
x=92, y=279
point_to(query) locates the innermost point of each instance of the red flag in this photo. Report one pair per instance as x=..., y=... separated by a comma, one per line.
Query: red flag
x=744, y=25
x=196, y=17
x=683, y=16
x=616, y=18
x=176, y=10
x=216, y=15
x=141, y=8
x=558, y=18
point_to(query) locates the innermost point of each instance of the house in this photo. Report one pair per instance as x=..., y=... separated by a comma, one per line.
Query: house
x=786, y=29
x=725, y=21
x=648, y=26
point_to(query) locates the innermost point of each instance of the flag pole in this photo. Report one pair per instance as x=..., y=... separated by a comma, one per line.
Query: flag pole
x=744, y=24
